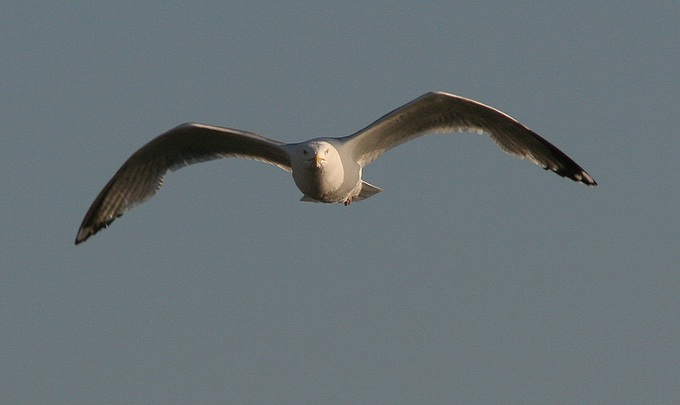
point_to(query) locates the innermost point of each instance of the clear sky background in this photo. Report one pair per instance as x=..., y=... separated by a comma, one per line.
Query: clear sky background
x=474, y=278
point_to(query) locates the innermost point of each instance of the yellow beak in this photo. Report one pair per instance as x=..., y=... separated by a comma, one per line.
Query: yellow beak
x=318, y=159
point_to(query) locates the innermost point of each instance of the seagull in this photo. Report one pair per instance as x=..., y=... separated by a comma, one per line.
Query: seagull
x=326, y=170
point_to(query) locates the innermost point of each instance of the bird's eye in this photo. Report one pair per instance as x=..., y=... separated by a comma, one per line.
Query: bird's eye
x=304, y=151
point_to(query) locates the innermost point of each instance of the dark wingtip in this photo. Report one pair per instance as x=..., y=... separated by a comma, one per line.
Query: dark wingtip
x=585, y=178
x=83, y=234
x=81, y=238
x=88, y=230
x=572, y=171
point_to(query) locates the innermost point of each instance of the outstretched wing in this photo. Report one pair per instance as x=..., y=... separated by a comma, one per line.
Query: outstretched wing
x=142, y=174
x=443, y=112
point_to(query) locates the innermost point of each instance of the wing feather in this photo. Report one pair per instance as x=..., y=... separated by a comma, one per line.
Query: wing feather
x=443, y=112
x=141, y=175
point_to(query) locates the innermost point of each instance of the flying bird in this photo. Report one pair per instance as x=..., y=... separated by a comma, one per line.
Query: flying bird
x=327, y=170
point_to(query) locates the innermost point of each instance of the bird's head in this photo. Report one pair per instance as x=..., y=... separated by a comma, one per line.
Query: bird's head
x=317, y=155
x=317, y=169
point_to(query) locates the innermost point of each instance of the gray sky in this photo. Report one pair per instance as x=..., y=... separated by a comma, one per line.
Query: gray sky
x=474, y=278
